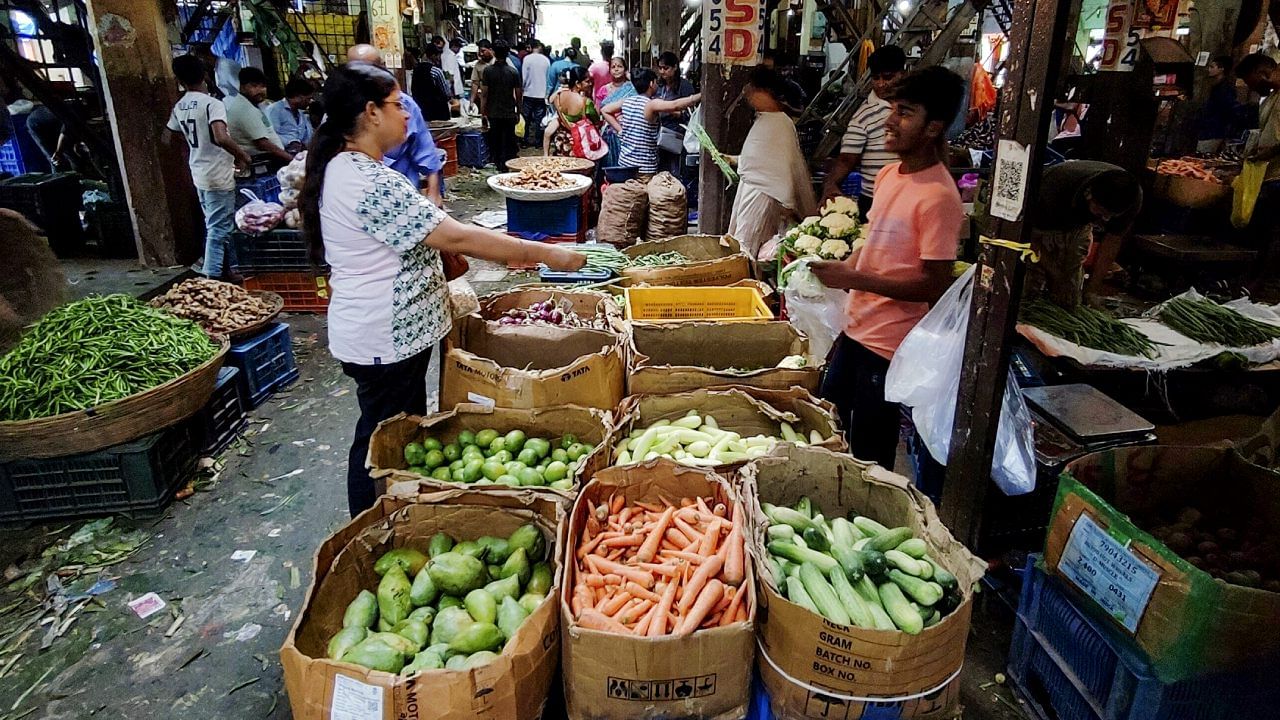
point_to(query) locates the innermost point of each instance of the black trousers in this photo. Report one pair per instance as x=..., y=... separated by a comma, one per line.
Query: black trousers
x=501, y=139
x=381, y=391
x=864, y=207
x=854, y=383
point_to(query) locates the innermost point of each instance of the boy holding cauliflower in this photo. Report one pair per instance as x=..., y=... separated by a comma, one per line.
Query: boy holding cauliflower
x=904, y=265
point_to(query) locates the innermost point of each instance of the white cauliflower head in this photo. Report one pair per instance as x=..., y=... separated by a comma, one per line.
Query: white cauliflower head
x=839, y=226
x=811, y=225
x=840, y=205
x=808, y=244
x=834, y=249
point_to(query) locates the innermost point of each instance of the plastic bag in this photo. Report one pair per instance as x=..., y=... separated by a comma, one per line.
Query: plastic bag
x=813, y=308
x=925, y=375
x=691, y=143
x=1247, y=185
x=257, y=216
x=462, y=298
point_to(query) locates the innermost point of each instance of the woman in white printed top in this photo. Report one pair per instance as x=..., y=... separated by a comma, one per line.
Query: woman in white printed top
x=382, y=239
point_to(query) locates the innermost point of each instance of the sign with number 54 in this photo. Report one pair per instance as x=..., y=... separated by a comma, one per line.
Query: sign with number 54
x=731, y=31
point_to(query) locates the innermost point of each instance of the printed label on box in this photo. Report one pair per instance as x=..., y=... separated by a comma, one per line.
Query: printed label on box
x=354, y=700
x=1107, y=571
x=685, y=688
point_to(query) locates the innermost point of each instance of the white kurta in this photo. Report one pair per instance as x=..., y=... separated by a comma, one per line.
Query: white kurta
x=775, y=191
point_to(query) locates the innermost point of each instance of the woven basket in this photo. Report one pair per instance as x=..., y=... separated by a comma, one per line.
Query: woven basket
x=116, y=422
x=248, y=331
x=579, y=166
x=581, y=184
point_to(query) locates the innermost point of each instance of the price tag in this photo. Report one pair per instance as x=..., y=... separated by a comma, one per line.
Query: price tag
x=1107, y=571
x=354, y=700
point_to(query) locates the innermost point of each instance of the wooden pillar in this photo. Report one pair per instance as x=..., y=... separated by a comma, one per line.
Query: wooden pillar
x=132, y=41
x=1038, y=35
x=665, y=21
x=726, y=118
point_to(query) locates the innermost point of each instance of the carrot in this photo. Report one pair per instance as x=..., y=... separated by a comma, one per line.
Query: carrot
x=634, y=611
x=640, y=577
x=691, y=534
x=693, y=591
x=702, y=505
x=734, y=556
x=692, y=558
x=623, y=541
x=588, y=547
x=592, y=579
x=650, y=546
x=582, y=599
x=701, y=607
x=674, y=537
x=625, y=515
x=640, y=592
x=686, y=502
x=616, y=503
x=658, y=625
x=594, y=620
x=726, y=599
x=690, y=515
x=651, y=507
x=720, y=510
x=642, y=627
x=667, y=570
x=707, y=544
x=731, y=613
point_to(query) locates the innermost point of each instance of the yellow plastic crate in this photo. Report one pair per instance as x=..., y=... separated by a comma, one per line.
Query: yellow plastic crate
x=676, y=304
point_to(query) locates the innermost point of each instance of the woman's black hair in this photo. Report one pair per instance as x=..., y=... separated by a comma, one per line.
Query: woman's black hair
x=575, y=75
x=348, y=91
x=670, y=59
x=768, y=80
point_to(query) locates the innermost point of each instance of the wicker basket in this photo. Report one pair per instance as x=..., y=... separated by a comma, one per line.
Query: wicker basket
x=277, y=304
x=116, y=422
x=576, y=165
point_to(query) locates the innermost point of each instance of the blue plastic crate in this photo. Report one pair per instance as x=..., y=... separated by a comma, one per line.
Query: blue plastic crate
x=557, y=217
x=852, y=185
x=11, y=159
x=1069, y=667
x=21, y=154
x=265, y=362
x=224, y=415
x=473, y=152
x=266, y=187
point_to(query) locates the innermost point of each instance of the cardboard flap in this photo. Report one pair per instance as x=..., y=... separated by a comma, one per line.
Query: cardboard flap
x=757, y=347
x=694, y=247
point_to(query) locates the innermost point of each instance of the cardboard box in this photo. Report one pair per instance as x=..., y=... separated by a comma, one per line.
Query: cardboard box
x=679, y=357
x=812, y=666
x=1185, y=621
x=514, y=686
x=587, y=303
x=706, y=674
x=386, y=447
x=713, y=260
x=532, y=367
x=1263, y=448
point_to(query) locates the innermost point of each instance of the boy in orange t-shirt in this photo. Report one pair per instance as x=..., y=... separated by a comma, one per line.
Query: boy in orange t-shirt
x=905, y=264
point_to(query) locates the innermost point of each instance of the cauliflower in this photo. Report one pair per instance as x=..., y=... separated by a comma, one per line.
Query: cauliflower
x=841, y=205
x=839, y=226
x=808, y=244
x=794, y=362
x=811, y=225
x=834, y=249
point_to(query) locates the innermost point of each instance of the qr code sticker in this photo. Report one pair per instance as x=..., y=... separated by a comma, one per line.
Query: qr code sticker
x=1009, y=180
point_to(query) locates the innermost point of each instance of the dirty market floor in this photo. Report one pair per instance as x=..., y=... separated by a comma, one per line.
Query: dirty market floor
x=233, y=561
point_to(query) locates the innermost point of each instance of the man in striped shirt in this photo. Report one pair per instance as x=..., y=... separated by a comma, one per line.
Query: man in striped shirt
x=863, y=146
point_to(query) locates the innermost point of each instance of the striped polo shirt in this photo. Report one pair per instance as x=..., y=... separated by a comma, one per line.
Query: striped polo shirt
x=639, y=141
x=865, y=136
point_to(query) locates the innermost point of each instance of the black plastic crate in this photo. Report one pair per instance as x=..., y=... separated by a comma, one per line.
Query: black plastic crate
x=278, y=250
x=225, y=414
x=137, y=477
x=265, y=362
x=52, y=202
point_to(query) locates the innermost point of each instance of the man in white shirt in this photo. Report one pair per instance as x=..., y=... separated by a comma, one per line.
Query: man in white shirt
x=451, y=63
x=862, y=148
x=534, y=105
x=212, y=156
x=246, y=121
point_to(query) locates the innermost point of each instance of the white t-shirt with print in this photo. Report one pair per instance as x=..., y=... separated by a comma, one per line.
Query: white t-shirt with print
x=247, y=122
x=390, y=298
x=212, y=168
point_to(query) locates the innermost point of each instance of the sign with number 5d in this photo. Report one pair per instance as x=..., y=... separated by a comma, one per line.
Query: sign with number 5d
x=731, y=31
x=1120, y=40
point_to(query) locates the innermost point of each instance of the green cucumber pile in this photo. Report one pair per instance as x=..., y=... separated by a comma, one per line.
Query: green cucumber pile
x=1087, y=327
x=1208, y=322
x=856, y=571
x=451, y=608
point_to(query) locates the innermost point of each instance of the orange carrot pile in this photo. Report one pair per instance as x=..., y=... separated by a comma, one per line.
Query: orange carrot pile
x=655, y=569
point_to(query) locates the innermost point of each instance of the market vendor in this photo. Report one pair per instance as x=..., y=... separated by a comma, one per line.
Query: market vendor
x=382, y=240
x=905, y=264
x=1076, y=197
x=1261, y=74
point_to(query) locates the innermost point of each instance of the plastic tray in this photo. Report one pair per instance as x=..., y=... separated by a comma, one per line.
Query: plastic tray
x=136, y=477
x=266, y=363
x=275, y=251
x=301, y=291
x=224, y=415
x=1068, y=667
x=677, y=304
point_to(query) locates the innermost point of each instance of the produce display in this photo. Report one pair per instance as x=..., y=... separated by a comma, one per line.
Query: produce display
x=487, y=458
x=219, y=307
x=1189, y=168
x=606, y=257
x=452, y=607
x=1087, y=327
x=94, y=351
x=830, y=235
x=559, y=313
x=856, y=571
x=539, y=178
x=660, y=569
x=291, y=178
x=1213, y=543
x=552, y=163
x=662, y=259
x=1208, y=322
x=697, y=440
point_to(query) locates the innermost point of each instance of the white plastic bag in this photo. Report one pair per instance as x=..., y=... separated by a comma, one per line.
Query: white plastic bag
x=813, y=308
x=691, y=144
x=925, y=376
x=258, y=216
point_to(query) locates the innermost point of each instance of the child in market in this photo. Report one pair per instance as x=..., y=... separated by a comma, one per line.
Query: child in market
x=213, y=158
x=905, y=264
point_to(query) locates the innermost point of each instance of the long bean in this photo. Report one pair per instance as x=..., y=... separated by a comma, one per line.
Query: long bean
x=1087, y=327
x=1208, y=322
x=662, y=259
x=96, y=350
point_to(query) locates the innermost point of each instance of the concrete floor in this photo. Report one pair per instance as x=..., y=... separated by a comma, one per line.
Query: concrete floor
x=278, y=493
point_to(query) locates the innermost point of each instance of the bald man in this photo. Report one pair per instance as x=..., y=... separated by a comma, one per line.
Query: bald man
x=416, y=159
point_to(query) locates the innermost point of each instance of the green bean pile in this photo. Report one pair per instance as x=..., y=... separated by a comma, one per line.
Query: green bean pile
x=1087, y=327
x=662, y=259
x=93, y=351
x=1206, y=321
x=603, y=257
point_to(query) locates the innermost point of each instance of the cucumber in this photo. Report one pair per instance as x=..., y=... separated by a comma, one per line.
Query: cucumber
x=903, y=562
x=899, y=610
x=843, y=532
x=798, y=541
x=781, y=532
x=797, y=594
x=786, y=516
x=797, y=554
x=873, y=563
x=915, y=547
x=934, y=618
x=779, y=571
x=866, y=589
x=941, y=576
x=822, y=594
x=854, y=605
x=805, y=505
x=850, y=561
x=890, y=539
x=926, y=570
x=869, y=527
x=861, y=543
x=922, y=591
x=815, y=539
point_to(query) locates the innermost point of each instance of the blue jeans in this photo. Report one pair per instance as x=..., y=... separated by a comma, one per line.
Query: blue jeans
x=533, y=110
x=219, y=208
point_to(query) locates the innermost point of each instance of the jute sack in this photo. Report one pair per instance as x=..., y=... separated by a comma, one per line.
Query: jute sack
x=623, y=211
x=668, y=207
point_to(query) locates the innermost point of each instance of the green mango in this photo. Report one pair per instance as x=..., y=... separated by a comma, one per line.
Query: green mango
x=495, y=571
x=415, y=630
x=476, y=637
x=456, y=662
x=531, y=602
x=481, y=606
x=517, y=565
x=375, y=655
x=409, y=560
x=425, y=660
x=506, y=587
x=362, y=612
x=344, y=640
x=539, y=579
x=414, y=453
x=470, y=548
x=393, y=595
x=441, y=649
x=510, y=616
x=499, y=549
x=405, y=646
x=424, y=615
x=508, y=480
x=449, y=623
x=441, y=474
x=423, y=591
x=455, y=573
x=448, y=601
x=439, y=543
x=530, y=538
x=475, y=660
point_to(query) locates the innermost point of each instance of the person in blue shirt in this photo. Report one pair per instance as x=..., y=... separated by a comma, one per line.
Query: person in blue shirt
x=515, y=59
x=417, y=158
x=555, y=73
x=288, y=116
